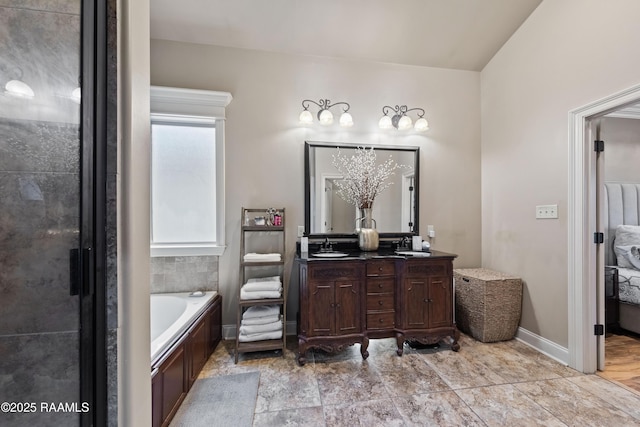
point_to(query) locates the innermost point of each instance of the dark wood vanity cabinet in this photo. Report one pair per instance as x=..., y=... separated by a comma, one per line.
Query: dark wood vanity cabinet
x=425, y=301
x=331, y=307
x=381, y=284
x=343, y=302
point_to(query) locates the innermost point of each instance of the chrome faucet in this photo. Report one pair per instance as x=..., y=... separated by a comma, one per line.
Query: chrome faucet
x=327, y=246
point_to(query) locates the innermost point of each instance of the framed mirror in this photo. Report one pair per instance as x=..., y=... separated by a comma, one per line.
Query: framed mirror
x=327, y=214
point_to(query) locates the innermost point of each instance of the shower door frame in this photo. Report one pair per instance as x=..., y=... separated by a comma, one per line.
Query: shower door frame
x=93, y=215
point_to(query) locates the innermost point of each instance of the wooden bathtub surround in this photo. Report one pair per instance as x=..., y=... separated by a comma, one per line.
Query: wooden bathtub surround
x=368, y=296
x=175, y=372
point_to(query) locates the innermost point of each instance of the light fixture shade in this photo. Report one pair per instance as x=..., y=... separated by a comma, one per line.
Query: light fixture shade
x=325, y=117
x=404, y=123
x=19, y=88
x=346, y=120
x=385, y=122
x=76, y=95
x=306, y=118
x=421, y=125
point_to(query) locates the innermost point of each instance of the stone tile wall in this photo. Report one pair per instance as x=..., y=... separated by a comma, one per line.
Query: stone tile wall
x=184, y=274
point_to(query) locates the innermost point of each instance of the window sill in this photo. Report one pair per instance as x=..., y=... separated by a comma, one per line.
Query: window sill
x=186, y=250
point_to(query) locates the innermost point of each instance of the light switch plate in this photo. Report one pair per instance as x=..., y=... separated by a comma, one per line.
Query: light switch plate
x=546, y=211
x=300, y=230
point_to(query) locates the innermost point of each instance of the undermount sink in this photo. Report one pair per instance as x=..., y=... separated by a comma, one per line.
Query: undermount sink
x=413, y=253
x=332, y=254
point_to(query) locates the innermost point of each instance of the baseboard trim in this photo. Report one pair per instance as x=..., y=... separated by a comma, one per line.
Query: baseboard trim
x=543, y=345
x=229, y=331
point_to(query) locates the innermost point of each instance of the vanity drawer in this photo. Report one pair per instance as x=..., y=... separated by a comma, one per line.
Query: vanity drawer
x=381, y=268
x=381, y=286
x=380, y=302
x=380, y=320
x=334, y=270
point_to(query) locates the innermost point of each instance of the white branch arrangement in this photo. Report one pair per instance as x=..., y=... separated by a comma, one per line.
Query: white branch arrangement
x=363, y=178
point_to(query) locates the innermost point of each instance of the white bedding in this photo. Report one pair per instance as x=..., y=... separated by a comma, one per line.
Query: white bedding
x=629, y=285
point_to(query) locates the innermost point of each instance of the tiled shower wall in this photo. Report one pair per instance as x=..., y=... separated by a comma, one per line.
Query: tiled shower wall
x=39, y=189
x=184, y=274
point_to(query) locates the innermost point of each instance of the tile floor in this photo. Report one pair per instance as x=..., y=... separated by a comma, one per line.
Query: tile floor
x=498, y=384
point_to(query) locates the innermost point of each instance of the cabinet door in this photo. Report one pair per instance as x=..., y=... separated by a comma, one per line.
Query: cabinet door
x=441, y=304
x=215, y=325
x=347, y=305
x=321, y=308
x=174, y=387
x=416, y=303
x=199, y=347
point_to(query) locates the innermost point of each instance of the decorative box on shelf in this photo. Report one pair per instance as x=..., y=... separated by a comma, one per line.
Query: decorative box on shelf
x=488, y=303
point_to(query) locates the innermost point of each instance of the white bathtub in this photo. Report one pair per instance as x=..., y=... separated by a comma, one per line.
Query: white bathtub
x=171, y=316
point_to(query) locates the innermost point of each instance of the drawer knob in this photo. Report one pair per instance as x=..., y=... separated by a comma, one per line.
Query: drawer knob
x=380, y=285
x=379, y=268
x=380, y=320
x=380, y=302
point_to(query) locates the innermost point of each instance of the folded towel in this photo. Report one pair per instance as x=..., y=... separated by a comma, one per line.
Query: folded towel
x=244, y=295
x=269, y=285
x=260, y=320
x=258, y=329
x=261, y=311
x=254, y=257
x=274, y=335
x=264, y=279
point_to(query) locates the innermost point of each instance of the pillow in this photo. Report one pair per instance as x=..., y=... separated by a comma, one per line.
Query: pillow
x=634, y=257
x=626, y=236
x=628, y=256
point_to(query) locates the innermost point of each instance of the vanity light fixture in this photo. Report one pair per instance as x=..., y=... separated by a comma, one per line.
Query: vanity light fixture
x=400, y=120
x=18, y=88
x=325, y=116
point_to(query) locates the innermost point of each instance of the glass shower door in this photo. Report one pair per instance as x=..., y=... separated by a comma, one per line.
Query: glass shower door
x=40, y=214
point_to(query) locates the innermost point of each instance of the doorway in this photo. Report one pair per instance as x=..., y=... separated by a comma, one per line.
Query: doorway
x=586, y=291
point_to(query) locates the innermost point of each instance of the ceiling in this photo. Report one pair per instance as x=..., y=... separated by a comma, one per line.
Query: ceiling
x=458, y=34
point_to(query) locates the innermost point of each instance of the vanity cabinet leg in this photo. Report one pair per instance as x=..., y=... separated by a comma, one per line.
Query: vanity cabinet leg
x=400, y=343
x=302, y=353
x=363, y=348
x=455, y=345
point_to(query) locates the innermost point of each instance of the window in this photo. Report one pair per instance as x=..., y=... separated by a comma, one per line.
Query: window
x=187, y=171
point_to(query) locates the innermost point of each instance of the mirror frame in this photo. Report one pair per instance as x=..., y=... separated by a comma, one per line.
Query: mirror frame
x=307, y=188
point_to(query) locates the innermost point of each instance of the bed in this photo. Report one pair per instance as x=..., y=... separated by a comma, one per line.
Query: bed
x=622, y=245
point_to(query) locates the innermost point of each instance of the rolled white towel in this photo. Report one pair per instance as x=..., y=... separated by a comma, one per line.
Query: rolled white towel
x=261, y=311
x=248, y=295
x=258, y=329
x=274, y=335
x=260, y=320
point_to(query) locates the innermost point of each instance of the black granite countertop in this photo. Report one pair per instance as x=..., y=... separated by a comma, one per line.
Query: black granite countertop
x=354, y=253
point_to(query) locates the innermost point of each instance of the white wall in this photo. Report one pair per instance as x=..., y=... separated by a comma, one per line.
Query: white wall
x=264, y=155
x=622, y=149
x=134, y=275
x=569, y=53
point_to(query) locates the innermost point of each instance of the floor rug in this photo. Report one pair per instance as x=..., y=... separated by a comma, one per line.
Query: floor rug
x=219, y=401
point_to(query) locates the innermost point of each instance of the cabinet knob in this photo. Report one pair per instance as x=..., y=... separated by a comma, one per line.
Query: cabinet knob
x=379, y=268
x=380, y=302
x=380, y=320
x=380, y=285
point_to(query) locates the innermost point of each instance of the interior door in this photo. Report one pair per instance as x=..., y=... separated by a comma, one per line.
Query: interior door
x=600, y=249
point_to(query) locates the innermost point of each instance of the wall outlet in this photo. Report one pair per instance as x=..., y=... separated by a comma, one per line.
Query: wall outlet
x=300, y=230
x=430, y=231
x=546, y=211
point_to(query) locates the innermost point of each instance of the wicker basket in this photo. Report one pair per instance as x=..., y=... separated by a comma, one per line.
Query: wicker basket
x=488, y=303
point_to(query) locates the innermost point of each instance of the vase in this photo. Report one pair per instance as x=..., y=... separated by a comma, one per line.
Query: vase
x=368, y=238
